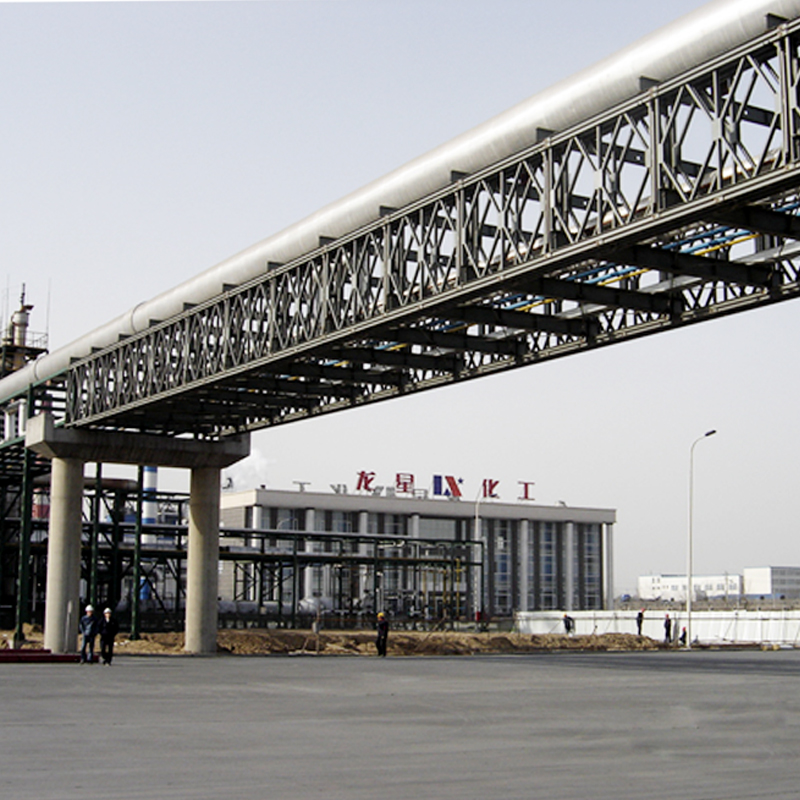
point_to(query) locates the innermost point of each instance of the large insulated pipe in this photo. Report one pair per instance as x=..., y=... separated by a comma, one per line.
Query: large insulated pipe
x=691, y=40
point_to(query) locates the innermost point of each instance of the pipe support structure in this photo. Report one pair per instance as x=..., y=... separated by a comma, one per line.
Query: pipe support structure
x=62, y=612
x=69, y=451
x=700, y=36
x=202, y=563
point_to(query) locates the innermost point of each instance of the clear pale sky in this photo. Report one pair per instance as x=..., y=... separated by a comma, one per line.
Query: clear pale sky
x=144, y=142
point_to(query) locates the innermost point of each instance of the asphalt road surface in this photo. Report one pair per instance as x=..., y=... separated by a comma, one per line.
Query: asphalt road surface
x=699, y=725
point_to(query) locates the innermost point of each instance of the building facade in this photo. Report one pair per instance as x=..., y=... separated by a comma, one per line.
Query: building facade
x=776, y=583
x=673, y=587
x=500, y=557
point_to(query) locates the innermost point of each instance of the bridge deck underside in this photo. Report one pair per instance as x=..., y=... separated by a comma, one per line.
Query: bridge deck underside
x=679, y=206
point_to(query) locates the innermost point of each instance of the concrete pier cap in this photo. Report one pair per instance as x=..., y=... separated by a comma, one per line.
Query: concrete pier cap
x=70, y=449
x=117, y=447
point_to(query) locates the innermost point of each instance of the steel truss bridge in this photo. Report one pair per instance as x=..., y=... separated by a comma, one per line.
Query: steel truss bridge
x=675, y=207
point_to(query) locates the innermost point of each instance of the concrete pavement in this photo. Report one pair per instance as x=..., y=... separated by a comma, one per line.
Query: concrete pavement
x=699, y=725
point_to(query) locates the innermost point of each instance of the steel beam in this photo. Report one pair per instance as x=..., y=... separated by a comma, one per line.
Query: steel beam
x=709, y=269
x=519, y=320
x=395, y=358
x=454, y=341
x=761, y=220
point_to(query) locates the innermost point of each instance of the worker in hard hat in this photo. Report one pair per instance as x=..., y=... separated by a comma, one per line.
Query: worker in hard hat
x=383, y=634
x=88, y=631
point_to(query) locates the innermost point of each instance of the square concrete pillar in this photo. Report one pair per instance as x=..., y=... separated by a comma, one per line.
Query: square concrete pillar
x=525, y=578
x=569, y=566
x=608, y=572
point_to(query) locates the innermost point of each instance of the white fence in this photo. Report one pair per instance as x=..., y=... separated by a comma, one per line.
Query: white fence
x=708, y=627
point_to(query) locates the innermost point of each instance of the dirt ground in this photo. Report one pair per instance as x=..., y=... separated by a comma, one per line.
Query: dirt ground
x=410, y=643
x=331, y=643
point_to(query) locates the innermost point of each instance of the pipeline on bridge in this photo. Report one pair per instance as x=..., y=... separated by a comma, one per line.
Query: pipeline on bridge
x=697, y=37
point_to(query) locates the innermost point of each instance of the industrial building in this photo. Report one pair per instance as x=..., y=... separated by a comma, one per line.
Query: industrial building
x=287, y=556
x=773, y=583
x=672, y=588
x=766, y=583
x=526, y=556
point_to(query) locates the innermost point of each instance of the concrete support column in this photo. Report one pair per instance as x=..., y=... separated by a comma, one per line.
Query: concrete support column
x=608, y=572
x=363, y=548
x=62, y=611
x=260, y=518
x=259, y=522
x=413, y=531
x=202, y=562
x=524, y=563
x=569, y=565
x=308, y=572
x=479, y=576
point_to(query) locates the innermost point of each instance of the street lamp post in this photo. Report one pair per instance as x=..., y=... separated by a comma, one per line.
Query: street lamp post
x=689, y=548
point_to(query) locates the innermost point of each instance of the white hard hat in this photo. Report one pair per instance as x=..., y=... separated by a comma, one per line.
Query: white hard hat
x=106, y=610
x=90, y=608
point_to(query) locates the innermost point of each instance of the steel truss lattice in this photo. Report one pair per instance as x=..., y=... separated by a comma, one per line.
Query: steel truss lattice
x=676, y=207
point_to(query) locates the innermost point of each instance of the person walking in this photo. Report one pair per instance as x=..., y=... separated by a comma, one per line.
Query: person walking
x=383, y=634
x=639, y=622
x=667, y=629
x=108, y=629
x=88, y=630
x=569, y=624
